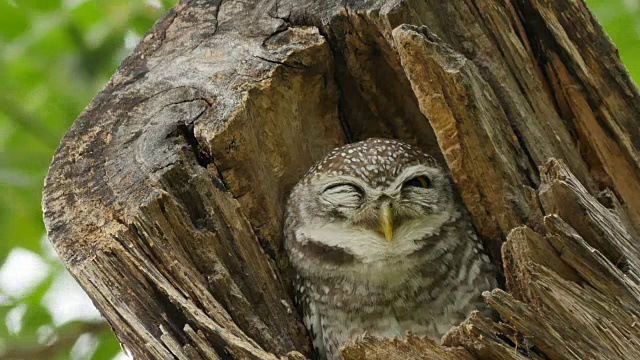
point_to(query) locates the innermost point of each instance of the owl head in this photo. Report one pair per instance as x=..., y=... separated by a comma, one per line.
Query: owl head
x=372, y=200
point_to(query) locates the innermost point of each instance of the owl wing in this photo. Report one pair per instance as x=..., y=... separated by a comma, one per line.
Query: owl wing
x=310, y=315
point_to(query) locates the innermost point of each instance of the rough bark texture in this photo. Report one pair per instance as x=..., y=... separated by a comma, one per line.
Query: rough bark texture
x=165, y=199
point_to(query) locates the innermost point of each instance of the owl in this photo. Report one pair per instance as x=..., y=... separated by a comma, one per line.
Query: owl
x=380, y=245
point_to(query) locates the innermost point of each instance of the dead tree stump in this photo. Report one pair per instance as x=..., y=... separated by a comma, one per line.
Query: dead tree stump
x=165, y=198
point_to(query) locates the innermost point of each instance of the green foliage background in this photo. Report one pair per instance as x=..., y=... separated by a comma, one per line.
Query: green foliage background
x=55, y=55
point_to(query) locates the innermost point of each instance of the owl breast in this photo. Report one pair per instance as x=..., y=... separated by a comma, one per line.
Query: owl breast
x=424, y=293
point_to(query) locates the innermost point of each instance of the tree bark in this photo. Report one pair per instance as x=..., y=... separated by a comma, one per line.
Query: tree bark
x=165, y=198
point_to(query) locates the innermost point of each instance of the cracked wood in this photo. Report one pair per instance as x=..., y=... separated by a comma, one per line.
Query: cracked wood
x=165, y=198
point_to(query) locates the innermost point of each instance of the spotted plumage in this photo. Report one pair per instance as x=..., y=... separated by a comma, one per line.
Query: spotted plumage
x=380, y=246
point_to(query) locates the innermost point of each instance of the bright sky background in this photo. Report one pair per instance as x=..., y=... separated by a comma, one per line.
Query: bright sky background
x=66, y=301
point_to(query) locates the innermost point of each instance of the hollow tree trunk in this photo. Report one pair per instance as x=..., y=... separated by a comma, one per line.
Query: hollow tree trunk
x=165, y=199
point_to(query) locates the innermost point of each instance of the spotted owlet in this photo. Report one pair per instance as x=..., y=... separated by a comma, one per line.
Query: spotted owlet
x=380, y=246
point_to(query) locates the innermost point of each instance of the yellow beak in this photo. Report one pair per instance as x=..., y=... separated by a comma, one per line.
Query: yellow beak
x=386, y=221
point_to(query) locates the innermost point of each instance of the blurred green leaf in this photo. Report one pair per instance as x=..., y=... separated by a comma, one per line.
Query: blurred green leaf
x=39, y=5
x=108, y=347
x=14, y=20
x=36, y=316
x=621, y=20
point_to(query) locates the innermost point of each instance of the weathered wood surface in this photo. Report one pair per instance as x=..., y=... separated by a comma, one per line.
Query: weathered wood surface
x=165, y=198
x=370, y=348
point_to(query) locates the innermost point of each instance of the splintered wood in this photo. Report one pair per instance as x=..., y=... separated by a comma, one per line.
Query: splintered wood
x=566, y=299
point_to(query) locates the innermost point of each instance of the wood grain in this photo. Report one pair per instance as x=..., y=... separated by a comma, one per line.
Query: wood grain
x=165, y=198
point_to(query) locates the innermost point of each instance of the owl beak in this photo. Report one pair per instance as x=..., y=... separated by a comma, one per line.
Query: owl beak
x=386, y=221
